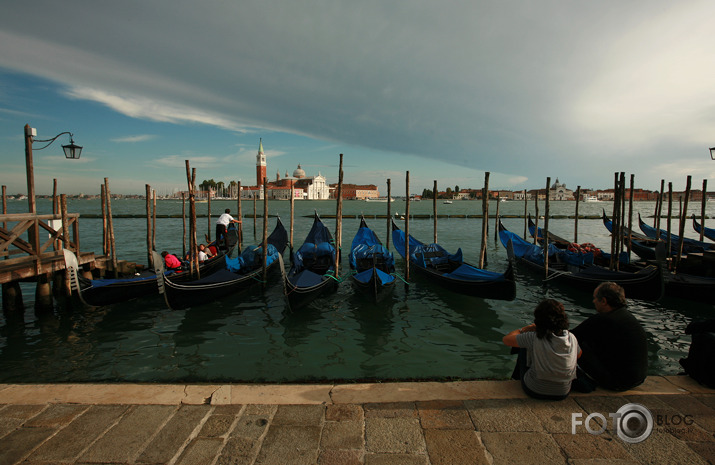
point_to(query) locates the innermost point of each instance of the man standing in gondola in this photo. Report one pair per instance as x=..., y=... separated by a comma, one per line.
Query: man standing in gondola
x=222, y=225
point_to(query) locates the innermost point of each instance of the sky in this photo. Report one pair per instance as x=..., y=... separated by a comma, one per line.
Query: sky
x=446, y=90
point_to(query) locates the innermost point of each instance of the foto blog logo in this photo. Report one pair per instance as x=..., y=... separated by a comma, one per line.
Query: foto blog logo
x=633, y=423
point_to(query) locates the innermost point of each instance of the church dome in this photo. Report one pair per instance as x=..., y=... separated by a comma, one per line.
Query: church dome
x=299, y=173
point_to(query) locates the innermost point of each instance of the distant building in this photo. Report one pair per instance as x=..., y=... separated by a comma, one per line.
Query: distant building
x=355, y=191
x=558, y=191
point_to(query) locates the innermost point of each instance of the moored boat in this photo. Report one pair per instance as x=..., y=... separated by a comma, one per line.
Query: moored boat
x=452, y=272
x=313, y=267
x=373, y=265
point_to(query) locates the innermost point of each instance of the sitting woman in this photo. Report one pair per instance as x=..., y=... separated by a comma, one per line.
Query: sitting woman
x=547, y=353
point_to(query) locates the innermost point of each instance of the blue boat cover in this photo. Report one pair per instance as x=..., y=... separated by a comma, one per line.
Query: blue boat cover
x=535, y=253
x=250, y=259
x=364, y=276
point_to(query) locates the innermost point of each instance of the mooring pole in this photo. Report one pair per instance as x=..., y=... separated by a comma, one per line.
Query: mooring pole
x=660, y=205
x=150, y=261
x=702, y=209
x=339, y=219
x=112, y=242
x=434, y=210
x=546, y=229
x=670, y=214
x=485, y=220
x=575, y=225
x=240, y=217
x=526, y=209
x=683, y=218
x=208, y=236
x=265, y=232
x=407, y=226
x=389, y=218
x=183, y=218
x=630, y=217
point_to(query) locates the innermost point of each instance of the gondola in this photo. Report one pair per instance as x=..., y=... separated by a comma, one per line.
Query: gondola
x=641, y=245
x=707, y=232
x=235, y=275
x=312, y=272
x=373, y=265
x=599, y=256
x=578, y=270
x=450, y=271
x=689, y=245
x=101, y=292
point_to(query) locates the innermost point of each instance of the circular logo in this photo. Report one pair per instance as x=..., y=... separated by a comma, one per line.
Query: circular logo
x=634, y=423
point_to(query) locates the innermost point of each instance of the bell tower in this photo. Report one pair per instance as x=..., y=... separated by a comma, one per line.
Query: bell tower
x=261, y=166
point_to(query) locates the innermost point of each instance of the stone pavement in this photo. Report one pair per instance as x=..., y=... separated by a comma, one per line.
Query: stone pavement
x=469, y=422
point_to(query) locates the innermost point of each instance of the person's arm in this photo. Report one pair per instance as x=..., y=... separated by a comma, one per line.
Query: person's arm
x=510, y=339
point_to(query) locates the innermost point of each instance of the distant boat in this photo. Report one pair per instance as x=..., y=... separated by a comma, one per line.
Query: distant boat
x=379, y=199
x=447, y=202
x=502, y=199
x=592, y=198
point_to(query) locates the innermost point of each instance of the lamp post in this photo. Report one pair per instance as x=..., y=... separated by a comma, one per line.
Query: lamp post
x=72, y=152
x=712, y=153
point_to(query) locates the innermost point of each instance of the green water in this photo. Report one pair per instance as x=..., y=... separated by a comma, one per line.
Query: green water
x=420, y=332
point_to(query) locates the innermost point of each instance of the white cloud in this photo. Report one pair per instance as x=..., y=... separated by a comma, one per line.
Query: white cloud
x=133, y=139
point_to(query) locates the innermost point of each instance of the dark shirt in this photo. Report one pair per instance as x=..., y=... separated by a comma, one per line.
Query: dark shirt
x=615, y=349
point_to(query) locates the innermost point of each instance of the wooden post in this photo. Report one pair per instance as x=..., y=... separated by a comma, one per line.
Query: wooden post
x=339, y=219
x=407, y=226
x=4, y=204
x=110, y=224
x=575, y=225
x=55, y=203
x=496, y=221
x=526, y=210
x=105, y=233
x=66, y=240
x=683, y=219
x=536, y=218
x=546, y=229
x=265, y=232
x=670, y=214
x=150, y=261
x=389, y=218
x=485, y=220
x=615, y=226
x=630, y=217
x=660, y=205
x=209, y=214
x=153, y=220
x=240, y=225
x=183, y=219
x=193, y=257
x=434, y=210
x=255, y=194
x=702, y=209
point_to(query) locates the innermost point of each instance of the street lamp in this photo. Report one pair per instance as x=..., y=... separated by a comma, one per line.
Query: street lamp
x=712, y=153
x=72, y=152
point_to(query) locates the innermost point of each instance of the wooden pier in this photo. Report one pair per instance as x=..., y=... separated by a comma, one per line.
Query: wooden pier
x=39, y=257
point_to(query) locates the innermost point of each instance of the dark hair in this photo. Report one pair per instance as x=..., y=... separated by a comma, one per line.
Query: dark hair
x=550, y=318
x=228, y=210
x=164, y=253
x=613, y=293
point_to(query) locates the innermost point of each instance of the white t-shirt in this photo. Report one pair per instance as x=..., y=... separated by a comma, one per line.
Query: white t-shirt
x=224, y=219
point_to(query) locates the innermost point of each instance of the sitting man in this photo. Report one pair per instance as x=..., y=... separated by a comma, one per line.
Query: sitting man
x=615, y=348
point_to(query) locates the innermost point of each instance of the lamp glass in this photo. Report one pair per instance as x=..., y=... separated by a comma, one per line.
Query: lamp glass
x=72, y=151
x=712, y=153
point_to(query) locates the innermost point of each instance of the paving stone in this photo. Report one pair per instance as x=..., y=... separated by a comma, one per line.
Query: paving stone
x=525, y=448
x=556, y=417
x=601, y=404
x=174, y=435
x=663, y=448
x=126, y=439
x=391, y=410
x=590, y=446
x=21, y=412
x=260, y=409
x=396, y=459
x=706, y=450
x=703, y=414
x=602, y=462
x=20, y=442
x=455, y=446
x=341, y=457
x=290, y=444
x=251, y=426
x=232, y=409
x=56, y=415
x=200, y=452
x=707, y=399
x=446, y=414
x=311, y=415
x=502, y=415
x=217, y=426
x=67, y=444
x=342, y=435
x=343, y=412
x=394, y=436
